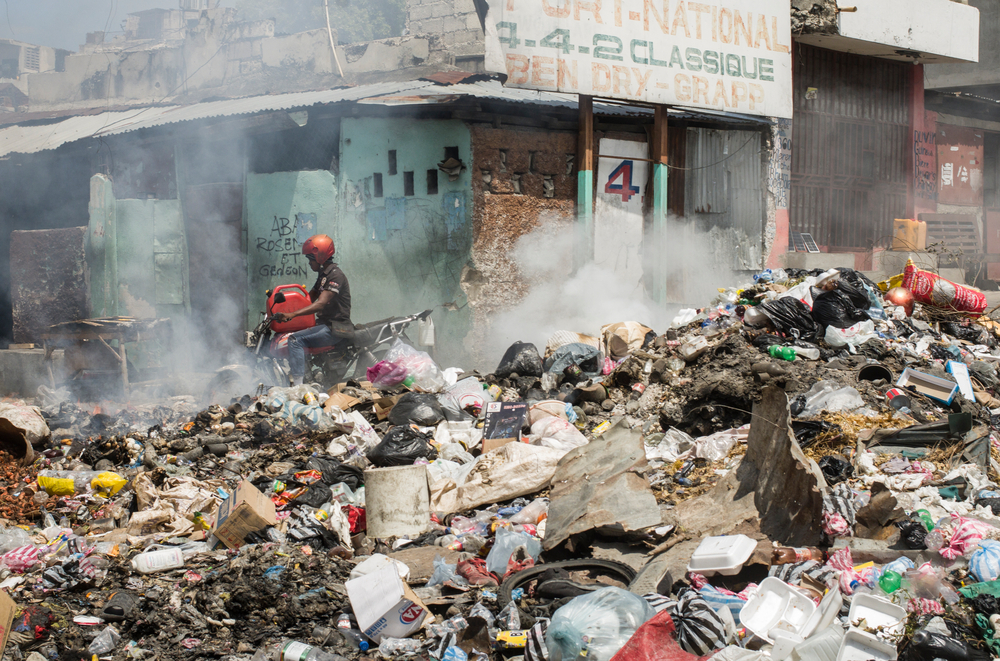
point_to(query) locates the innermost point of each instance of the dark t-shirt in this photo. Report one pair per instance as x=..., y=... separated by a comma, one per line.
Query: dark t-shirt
x=332, y=279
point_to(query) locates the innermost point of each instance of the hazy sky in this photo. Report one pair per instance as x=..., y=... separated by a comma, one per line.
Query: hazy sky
x=65, y=23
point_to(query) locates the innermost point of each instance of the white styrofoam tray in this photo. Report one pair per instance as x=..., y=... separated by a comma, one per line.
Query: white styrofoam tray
x=724, y=554
x=877, y=614
x=777, y=606
x=861, y=646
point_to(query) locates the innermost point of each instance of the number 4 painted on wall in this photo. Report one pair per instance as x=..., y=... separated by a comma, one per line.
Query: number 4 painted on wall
x=625, y=187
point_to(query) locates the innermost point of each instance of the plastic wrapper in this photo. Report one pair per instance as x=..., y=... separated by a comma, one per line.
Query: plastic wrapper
x=832, y=397
x=401, y=446
x=386, y=374
x=671, y=446
x=417, y=408
x=557, y=433
x=716, y=447
x=506, y=543
x=850, y=337
x=521, y=358
x=932, y=289
x=599, y=624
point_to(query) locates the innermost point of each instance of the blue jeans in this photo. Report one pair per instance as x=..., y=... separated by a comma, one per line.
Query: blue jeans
x=317, y=336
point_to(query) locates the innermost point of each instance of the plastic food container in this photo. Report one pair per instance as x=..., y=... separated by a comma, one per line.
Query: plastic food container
x=724, y=555
x=777, y=607
x=824, y=646
x=861, y=646
x=877, y=614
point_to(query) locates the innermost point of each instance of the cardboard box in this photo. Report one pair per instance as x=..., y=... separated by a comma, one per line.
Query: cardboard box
x=384, y=605
x=246, y=510
x=340, y=399
x=383, y=405
x=503, y=423
x=932, y=386
x=7, y=608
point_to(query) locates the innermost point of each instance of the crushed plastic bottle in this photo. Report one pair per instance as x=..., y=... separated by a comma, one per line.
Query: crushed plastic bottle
x=106, y=641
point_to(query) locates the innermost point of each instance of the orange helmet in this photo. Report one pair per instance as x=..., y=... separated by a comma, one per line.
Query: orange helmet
x=320, y=247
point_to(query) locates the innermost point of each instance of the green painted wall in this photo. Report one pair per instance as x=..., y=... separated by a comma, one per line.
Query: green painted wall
x=405, y=253
x=137, y=251
x=282, y=211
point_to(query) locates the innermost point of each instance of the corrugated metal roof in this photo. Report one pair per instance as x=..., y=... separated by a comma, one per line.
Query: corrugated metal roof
x=31, y=139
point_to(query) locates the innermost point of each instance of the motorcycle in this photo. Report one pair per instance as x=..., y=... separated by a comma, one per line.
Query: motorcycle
x=363, y=345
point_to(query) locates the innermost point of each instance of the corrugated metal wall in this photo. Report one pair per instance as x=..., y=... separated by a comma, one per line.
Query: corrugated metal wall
x=724, y=192
x=850, y=145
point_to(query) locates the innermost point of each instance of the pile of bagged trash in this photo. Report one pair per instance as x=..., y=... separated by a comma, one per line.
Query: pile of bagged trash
x=806, y=468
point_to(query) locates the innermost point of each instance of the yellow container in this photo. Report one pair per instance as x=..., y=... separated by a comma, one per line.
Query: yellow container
x=909, y=235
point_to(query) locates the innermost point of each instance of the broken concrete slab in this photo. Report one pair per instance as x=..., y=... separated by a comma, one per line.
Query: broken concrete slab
x=601, y=486
x=776, y=487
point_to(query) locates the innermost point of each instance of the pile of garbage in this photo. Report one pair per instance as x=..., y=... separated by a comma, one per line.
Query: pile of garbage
x=806, y=468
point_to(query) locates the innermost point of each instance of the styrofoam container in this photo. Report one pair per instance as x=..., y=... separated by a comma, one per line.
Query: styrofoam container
x=827, y=611
x=877, y=613
x=775, y=607
x=824, y=646
x=861, y=646
x=724, y=555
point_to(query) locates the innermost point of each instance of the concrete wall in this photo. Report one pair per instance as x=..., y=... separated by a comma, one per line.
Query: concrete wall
x=282, y=211
x=987, y=70
x=455, y=21
x=406, y=253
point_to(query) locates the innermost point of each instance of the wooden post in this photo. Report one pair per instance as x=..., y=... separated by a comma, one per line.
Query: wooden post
x=585, y=183
x=653, y=254
x=124, y=363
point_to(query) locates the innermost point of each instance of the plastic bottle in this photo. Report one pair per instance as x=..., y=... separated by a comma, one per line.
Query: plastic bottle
x=534, y=512
x=393, y=647
x=68, y=483
x=355, y=639
x=934, y=540
x=786, y=555
x=292, y=650
x=791, y=353
x=890, y=581
x=163, y=559
x=929, y=645
x=925, y=516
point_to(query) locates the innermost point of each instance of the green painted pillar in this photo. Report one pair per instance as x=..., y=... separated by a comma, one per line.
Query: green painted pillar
x=585, y=183
x=655, y=265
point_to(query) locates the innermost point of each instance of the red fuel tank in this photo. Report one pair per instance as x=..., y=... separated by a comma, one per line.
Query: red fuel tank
x=296, y=298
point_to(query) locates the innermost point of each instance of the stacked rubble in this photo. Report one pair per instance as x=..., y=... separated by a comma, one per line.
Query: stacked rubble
x=804, y=469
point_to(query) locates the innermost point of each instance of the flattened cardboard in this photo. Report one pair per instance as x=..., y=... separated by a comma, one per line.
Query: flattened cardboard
x=503, y=423
x=7, y=608
x=246, y=510
x=384, y=605
x=342, y=401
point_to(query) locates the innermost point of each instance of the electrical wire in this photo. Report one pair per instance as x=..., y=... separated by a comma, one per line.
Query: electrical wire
x=712, y=165
x=9, y=26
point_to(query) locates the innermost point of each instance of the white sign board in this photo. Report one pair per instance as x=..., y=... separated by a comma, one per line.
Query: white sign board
x=732, y=55
x=621, y=185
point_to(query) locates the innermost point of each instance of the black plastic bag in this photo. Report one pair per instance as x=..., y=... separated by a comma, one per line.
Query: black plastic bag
x=986, y=604
x=521, y=358
x=316, y=495
x=913, y=533
x=401, y=446
x=992, y=503
x=835, y=470
x=791, y=317
x=972, y=333
x=419, y=408
x=806, y=431
x=335, y=472
x=765, y=340
x=839, y=308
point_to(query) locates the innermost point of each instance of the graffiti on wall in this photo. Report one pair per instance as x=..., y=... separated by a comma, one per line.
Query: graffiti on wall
x=280, y=252
x=925, y=164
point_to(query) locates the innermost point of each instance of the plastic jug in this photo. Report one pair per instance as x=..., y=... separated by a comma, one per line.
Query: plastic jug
x=909, y=235
x=163, y=559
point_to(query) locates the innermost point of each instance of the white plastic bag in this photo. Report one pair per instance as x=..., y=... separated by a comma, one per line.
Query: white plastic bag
x=556, y=433
x=852, y=336
x=506, y=543
x=832, y=397
x=673, y=445
x=717, y=446
x=600, y=622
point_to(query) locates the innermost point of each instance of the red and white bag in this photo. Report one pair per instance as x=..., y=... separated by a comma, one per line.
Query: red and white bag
x=932, y=289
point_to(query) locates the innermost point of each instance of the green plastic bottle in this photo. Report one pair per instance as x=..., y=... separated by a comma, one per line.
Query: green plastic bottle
x=785, y=353
x=890, y=581
x=925, y=516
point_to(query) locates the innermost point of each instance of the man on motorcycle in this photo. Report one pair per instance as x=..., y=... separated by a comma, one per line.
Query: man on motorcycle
x=331, y=303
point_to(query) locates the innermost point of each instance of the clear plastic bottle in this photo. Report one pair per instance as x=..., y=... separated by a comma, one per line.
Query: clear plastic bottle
x=534, y=512
x=934, y=540
x=393, y=647
x=292, y=650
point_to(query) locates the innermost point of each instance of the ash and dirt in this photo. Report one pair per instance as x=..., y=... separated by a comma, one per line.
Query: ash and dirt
x=177, y=457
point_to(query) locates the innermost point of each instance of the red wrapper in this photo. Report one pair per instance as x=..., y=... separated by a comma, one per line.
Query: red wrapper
x=932, y=289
